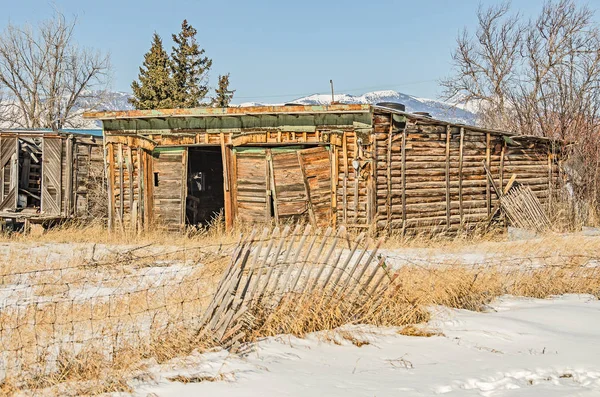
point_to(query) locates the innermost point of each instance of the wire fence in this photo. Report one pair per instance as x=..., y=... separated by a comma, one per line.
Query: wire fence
x=140, y=299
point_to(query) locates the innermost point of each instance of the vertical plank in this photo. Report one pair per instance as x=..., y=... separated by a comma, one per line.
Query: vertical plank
x=488, y=193
x=69, y=199
x=141, y=190
x=502, y=153
x=150, y=166
x=224, y=160
x=345, y=182
x=121, y=182
x=334, y=182
x=184, y=173
x=311, y=210
x=271, y=174
x=388, y=201
x=460, y=177
x=403, y=153
x=234, y=190
x=229, y=192
x=132, y=212
x=109, y=159
x=268, y=185
x=550, y=158
x=448, y=136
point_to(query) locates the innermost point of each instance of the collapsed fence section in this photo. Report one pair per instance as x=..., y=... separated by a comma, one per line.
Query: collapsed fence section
x=289, y=269
x=55, y=319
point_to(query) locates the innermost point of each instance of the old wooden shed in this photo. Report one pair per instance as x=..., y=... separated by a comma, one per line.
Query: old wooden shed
x=47, y=175
x=359, y=165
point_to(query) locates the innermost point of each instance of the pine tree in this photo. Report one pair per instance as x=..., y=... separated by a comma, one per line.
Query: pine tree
x=189, y=69
x=223, y=94
x=154, y=90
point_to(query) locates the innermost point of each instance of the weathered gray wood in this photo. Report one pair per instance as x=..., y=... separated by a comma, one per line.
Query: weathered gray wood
x=339, y=234
x=448, y=137
x=316, y=259
x=304, y=260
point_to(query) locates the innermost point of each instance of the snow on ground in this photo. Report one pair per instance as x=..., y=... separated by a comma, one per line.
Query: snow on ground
x=520, y=347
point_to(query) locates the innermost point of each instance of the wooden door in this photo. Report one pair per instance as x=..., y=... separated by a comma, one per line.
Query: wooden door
x=169, y=166
x=289, y=190
x=9, y=173
x=316, y=169
x=51, y=203
x=252, y=187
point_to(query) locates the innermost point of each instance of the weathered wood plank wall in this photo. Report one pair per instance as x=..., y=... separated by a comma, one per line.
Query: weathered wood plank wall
x=430, y=177
x=398, y=173
x=64, y=169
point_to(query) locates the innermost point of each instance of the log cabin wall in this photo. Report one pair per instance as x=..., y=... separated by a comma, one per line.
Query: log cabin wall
x=430, y=174
x=366, y=167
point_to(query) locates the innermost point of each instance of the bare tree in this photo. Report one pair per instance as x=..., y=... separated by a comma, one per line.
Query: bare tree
x=536, y=77
x=46, y=80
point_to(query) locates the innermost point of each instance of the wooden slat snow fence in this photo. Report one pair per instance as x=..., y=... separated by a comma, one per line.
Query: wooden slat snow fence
x=283, y=267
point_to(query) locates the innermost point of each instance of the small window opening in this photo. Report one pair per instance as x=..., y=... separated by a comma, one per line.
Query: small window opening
x=156, y=179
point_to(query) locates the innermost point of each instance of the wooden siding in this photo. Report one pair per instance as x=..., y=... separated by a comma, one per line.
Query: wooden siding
x=398, y=172
x=170, y=187
x=53, y=171
x=52, y=176
x=8, y=173
x=290, y=196
x=431, y=177
x=316, y=171
x=251, y=186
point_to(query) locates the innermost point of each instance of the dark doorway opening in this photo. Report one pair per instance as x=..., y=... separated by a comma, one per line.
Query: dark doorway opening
x=205, y=195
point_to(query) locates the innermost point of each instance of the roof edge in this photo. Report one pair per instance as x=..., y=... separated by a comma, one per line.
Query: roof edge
x=231, y=111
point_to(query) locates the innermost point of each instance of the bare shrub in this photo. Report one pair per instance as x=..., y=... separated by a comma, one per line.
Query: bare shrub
x=537, y=77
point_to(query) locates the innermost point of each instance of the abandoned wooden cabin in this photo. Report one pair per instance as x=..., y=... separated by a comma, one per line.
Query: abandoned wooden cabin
x=47, y=175
x=358, y=165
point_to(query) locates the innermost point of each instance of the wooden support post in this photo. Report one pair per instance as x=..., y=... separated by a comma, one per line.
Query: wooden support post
x=121, y=190
x=140, y=182
x=233, y=187
x=345, y=182
x=488, y=196
x=460, y=177
x=274, y=187
x=550, y=159
x=132, y=213
x=404, y=135
x=184, y=167
x=334, y=153
x=502, y=154
x=70, y=175
x=448, y=136
x=226, y=159
x=268, y=185
x=388, y=201
x=109, y=159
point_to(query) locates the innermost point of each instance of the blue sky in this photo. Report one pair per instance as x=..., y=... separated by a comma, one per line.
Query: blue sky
x=280, y=50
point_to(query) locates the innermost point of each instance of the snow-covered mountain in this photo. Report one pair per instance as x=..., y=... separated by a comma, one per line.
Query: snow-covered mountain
x=456, y=113
x=437, y=109
x=440, y=110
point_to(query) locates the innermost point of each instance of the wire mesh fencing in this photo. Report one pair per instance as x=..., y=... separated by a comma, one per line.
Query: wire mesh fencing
x=138, y=301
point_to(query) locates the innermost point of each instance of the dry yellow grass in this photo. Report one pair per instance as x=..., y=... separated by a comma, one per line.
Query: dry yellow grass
x=92, y=325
